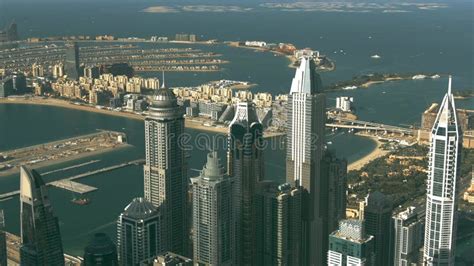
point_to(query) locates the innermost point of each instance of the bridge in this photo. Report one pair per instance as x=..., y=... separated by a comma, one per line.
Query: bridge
x=69, y=184
x=365, y=125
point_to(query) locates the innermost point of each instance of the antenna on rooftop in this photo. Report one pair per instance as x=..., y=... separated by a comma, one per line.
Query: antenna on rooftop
x=163, y=86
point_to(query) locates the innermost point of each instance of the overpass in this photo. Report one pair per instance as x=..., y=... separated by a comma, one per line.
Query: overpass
x=342, y=122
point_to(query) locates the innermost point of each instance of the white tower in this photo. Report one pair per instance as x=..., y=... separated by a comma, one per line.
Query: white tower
x=441, y=200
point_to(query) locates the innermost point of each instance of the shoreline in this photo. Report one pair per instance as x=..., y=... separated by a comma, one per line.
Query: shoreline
x=195, y=125
x=376, y=153
x=188, y=123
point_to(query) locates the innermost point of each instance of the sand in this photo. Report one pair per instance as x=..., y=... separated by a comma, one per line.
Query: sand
x=376, y=153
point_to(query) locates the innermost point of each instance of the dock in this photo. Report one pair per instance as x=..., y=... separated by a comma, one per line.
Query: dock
x=70, y=184
x=73, y=186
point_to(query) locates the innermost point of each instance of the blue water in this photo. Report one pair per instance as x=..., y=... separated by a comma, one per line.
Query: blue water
x=435, y=41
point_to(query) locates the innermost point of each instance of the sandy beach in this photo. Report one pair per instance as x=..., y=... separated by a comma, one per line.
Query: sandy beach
x=376, y=153
x=193, y=124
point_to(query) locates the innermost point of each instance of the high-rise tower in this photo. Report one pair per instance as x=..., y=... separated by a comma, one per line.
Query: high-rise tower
x=443, y=174
x=378, y=223
x=71, y=62
x=305, y=140
x=165, y=169
x=40, y=236
x=350, y=245
x=138, y=238
x=213, y=218
x=408, y=235
x=245, y=165
x=278, y=210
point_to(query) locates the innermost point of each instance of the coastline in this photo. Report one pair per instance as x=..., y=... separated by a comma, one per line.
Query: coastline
x=376, y=153
x=196, y=125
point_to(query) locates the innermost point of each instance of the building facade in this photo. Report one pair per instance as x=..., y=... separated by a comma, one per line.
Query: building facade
x=165, y=169
x=378, y=223
x=40, y=236
x=334, y=170
x=408, y=236
x=71, y=62
x=350, y=245
x=278, y=209
x=245, y=165
x=100, y=251
x=138, y=237
x=305, y=140
x=441, y=195
x=213, y=219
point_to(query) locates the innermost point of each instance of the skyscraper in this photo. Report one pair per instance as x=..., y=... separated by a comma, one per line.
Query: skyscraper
x=278, y=209
x=245, y=165
x=138, y=238
x=165, y=169
x=443, y=174
x=378, y=223
x=350, y=245
x=408, y=237
x=40, y=236
x=213, y=221
x=305, y=140
x=335, y=171
x=71, y=62
x=100, y=251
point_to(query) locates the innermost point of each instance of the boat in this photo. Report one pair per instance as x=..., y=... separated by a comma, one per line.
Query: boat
x=376, y=56
x=81, y=201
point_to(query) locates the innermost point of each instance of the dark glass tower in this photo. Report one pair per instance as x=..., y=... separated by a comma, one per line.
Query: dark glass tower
x=378, y=223
x=245, y=165
x=40, y=236
x=71, y=63
x=278, y=209
x=100, y=251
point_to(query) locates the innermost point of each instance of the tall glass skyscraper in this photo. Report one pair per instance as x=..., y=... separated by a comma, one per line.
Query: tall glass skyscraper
x=378, y=223
x=40, y=236
x=305, y=140
x=138, y=238
x=213, y=220
x=165, y=169
x=245, y=165
x=278, y=210
x=71, y=63
x=443, y=174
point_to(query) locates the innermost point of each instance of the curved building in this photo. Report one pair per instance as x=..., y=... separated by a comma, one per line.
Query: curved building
x=40, y=236
x=165, y=169
x=137, y=232
x=100, y=251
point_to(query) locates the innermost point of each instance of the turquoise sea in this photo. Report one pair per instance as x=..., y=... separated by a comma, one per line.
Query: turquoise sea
x=420, y=41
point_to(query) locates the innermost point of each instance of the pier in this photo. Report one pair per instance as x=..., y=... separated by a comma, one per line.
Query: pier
x=69, y=183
